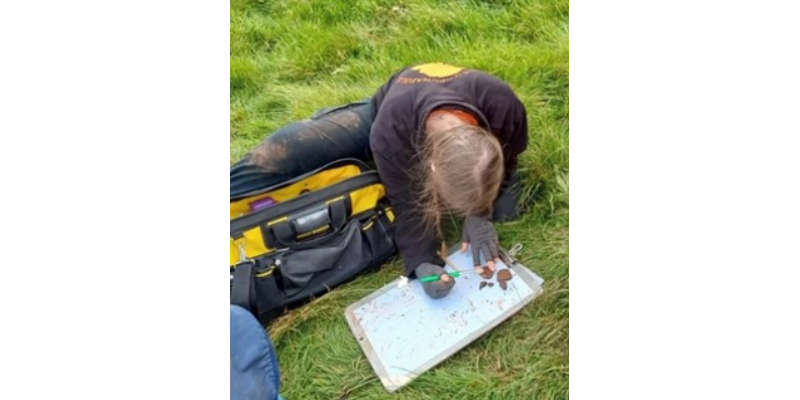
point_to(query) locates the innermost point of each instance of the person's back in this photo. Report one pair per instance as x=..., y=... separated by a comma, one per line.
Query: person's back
x=402, y=137
x=444, y=139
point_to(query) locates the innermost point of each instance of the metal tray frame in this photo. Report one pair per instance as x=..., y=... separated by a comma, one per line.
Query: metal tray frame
x=392, y=384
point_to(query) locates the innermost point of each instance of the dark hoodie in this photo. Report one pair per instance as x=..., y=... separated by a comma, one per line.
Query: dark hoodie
x=403, y=104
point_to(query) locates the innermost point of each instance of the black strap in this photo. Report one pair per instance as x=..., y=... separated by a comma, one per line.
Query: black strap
x=242, y=289
x=284, y=232
x=338, y=213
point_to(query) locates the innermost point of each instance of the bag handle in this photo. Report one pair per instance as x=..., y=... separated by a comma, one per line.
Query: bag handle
x=288, y=233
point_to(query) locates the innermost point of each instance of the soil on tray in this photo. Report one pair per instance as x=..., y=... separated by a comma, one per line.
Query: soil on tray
x=486, y=273
x=482, y=285
x=504, y=275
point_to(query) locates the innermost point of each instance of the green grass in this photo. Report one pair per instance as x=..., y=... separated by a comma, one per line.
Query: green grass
x=289, y=58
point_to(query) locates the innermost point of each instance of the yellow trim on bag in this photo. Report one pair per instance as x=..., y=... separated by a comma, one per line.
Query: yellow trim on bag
x=389, y=213
x=314, y=232
x=368, y=225
x=361, y=200
x=266, y=273
x=275, y=221
x=334, y=199
x=366, y=198
x=314, y=182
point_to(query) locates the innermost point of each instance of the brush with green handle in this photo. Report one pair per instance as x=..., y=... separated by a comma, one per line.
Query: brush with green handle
x=435, y=277
x=454, y=274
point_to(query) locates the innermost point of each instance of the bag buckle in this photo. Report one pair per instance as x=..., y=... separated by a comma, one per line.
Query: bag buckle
x=243, y=254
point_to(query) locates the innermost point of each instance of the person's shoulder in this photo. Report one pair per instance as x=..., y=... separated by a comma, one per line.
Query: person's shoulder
x=488, y=79
x=438, y=72
x=495, y=87
x=391, y=120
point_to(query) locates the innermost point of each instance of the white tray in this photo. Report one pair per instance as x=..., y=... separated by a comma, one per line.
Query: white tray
x=404, y=333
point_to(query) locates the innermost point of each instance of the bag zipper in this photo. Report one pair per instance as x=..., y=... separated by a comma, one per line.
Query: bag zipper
x=338, y=163
x=246, y=222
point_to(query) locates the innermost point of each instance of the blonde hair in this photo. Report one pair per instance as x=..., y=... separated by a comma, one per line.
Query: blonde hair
x=461, y=169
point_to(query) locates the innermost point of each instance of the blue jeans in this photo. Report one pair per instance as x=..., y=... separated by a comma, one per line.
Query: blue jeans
x=300, y=147
x=255, y=374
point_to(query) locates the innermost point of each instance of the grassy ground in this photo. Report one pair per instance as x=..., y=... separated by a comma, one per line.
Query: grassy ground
x=289, y=58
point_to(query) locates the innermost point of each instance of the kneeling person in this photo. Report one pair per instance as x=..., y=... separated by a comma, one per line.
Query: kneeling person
x=444, y=140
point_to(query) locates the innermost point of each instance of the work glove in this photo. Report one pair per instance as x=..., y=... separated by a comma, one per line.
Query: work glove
x=481, y=236
x=435, y=289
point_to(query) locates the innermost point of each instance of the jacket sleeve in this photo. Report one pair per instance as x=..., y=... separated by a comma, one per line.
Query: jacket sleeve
x=515, y=133
x=415, y=244
x=507, y=118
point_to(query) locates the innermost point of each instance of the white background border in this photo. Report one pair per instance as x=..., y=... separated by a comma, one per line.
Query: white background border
x=115, y=155
x=684, y=203
x=684, y=208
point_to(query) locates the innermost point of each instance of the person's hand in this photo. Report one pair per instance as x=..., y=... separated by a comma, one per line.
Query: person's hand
x=435, y=289
x=480, y=234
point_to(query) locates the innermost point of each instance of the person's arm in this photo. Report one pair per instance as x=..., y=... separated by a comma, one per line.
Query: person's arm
x=506, y=116
x=516, y=132
x=415, y=244
x=510, y=124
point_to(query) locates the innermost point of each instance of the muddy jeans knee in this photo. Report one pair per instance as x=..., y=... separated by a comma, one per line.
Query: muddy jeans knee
x=330, y=134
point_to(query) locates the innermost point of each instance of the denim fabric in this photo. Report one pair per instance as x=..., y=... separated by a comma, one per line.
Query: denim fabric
x=297, y=148
x=254, y=366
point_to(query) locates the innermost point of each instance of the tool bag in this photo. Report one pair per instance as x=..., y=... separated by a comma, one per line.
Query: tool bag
x=300, y=238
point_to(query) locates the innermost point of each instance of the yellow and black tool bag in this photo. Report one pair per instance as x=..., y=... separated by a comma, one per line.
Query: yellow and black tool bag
x=300, y=238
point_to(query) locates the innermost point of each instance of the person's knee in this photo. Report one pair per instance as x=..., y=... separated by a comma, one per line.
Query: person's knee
x=285, y=152
x=270, y=156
